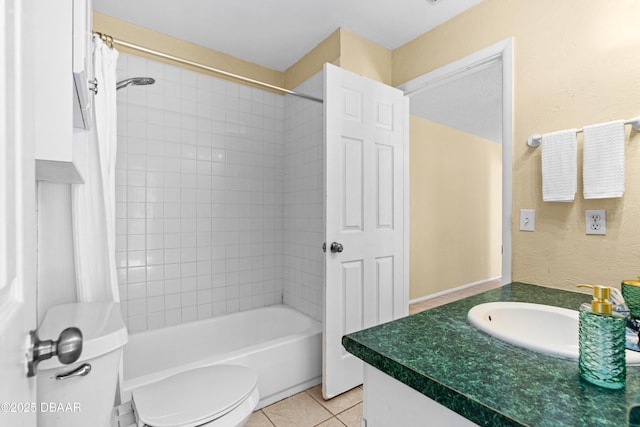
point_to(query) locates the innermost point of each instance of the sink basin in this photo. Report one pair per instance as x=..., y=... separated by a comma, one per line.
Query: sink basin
x=540, y=328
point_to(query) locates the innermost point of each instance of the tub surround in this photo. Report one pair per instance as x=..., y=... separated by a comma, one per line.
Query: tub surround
x=441, y=355
x=282, y=345
x=218, y=197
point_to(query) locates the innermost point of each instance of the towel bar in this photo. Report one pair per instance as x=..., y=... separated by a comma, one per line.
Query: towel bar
x=535, y=139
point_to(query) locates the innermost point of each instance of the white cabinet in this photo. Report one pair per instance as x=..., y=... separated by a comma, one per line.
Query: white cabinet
x=83, y=79
x=62, y=53
x=389, y=402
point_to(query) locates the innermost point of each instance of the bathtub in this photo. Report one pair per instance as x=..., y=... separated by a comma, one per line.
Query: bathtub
x=282, y=345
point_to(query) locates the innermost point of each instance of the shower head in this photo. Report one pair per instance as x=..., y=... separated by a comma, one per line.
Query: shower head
x=137, y=81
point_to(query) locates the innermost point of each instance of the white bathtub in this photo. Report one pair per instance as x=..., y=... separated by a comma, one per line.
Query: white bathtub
x=282, y=345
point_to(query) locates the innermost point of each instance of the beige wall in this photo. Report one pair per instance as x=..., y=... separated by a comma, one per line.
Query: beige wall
x=150, y=39
x=342, y=48
x=347, y=50
x=327, y=51
x=576, y=63
x=364, y=57
x=456, y=199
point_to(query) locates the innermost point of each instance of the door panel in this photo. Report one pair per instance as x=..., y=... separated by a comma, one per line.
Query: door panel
x=385, y=186
x=365, y=142
x=352, y=196
x=353, y=291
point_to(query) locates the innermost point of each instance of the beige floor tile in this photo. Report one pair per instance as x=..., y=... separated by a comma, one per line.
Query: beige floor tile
x=259, y=419
x=352, y=417
x=299, y=410
x=331, y=422
x=339, y=403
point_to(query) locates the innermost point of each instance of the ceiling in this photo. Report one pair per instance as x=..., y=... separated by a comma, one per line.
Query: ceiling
x=276, y=33
x=471, y=101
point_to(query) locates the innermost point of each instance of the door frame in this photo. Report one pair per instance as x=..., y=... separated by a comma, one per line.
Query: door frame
x=503, y=51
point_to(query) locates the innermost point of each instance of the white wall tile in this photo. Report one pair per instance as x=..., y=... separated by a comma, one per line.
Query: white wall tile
x=172, y=301
x=190, y=201
x=189, y=314
x=173, y=317
x=303, y=263
x=155, y=320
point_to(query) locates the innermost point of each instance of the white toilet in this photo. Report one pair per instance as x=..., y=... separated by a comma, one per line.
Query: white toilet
x=212, y=396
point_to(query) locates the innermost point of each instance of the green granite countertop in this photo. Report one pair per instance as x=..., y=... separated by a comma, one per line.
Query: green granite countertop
x=440, y=354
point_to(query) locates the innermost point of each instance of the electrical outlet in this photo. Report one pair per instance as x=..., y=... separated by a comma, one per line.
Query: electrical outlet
x=596, y=221
x=527, y=220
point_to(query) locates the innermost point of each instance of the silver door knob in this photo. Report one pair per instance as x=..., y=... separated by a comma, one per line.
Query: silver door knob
x=68, y=349
x=336, y=247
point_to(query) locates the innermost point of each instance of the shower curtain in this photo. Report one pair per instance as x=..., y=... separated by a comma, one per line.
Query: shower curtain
x=93, y=203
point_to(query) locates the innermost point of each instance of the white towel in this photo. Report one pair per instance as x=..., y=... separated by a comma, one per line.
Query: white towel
x=559, y=166
x=603, y=160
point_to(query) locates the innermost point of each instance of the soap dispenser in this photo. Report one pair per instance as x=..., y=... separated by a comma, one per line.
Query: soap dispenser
x=602, y=341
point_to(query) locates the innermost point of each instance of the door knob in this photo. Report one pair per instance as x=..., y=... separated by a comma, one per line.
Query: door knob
x=336, y=247
x=68, y=349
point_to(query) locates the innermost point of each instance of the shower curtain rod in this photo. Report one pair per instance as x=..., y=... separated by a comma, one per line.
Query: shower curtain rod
x=110, y=41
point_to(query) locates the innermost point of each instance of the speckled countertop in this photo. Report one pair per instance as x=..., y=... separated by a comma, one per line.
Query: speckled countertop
x=440, y=354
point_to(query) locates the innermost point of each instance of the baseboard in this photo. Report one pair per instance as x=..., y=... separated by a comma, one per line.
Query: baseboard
x=448, y=291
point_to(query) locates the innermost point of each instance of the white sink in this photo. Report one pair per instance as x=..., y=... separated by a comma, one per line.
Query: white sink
x=541, y=328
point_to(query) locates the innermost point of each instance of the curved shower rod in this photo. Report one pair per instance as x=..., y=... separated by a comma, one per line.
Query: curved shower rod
x=109, y=40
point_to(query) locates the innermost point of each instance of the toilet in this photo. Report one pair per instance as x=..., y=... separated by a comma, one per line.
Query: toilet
x=212, y=396
x=85, y=388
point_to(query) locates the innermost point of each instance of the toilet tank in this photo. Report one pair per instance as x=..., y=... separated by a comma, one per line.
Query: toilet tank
x=81, y=400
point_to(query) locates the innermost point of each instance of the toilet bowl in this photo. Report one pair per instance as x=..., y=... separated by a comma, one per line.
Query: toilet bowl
x=212, y=396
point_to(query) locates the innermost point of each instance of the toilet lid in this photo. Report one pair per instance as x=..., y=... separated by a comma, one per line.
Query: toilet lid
x=194, y=397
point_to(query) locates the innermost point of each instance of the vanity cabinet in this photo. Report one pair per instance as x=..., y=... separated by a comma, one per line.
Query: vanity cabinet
x=388, y=402
x=434, y=368
x=62, y=115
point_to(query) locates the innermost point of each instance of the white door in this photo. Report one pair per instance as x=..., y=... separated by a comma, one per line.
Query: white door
x=365, y=143
x=17, y=216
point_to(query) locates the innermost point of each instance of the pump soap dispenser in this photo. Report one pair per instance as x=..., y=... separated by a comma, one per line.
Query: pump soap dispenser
x=602, y=341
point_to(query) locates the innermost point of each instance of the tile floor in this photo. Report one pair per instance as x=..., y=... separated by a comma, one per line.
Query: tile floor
x=308, y=408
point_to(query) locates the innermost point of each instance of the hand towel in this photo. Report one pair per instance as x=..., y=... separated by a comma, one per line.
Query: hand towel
x=559, y=166
x=603, y=160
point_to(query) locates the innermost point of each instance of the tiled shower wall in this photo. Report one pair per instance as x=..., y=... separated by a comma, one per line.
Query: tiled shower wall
x=199, y=192
x=304, y=201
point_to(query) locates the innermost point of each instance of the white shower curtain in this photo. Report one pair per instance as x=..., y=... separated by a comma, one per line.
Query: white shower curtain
x=94, y=201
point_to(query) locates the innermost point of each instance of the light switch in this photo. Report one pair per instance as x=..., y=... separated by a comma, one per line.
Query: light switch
x=527, y=219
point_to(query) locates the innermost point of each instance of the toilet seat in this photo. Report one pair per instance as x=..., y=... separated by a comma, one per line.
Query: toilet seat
x=197, y=397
